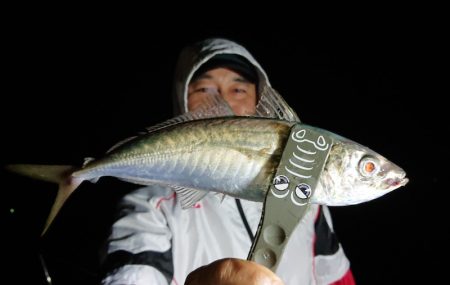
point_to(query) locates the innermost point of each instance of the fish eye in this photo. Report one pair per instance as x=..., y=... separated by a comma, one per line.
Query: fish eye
x=368, y=166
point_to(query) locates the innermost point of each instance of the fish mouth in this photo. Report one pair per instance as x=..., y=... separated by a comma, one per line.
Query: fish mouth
x=397, y=182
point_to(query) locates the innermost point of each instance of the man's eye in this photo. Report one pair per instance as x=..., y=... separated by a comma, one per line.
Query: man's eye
x=240, y=90
x=208, y=90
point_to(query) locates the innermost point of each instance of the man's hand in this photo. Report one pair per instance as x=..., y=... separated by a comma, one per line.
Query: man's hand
x=231, y=271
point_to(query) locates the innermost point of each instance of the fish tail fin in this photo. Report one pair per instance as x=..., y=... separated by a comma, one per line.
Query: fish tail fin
x=65, y=189
x=59, y=174
x=49, y=173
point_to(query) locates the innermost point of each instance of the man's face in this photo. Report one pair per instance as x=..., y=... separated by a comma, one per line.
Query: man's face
x=239, y=93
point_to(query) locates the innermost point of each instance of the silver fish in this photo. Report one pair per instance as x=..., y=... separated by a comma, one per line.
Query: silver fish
x=236, y=156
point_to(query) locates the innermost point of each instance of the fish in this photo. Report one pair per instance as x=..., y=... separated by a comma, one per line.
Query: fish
x=236, y=156
x=232, y=155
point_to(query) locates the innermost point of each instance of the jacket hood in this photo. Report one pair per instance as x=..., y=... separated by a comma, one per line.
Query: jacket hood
x=194, y=56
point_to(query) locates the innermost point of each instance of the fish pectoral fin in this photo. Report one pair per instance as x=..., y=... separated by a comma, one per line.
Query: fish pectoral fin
x=188, y=196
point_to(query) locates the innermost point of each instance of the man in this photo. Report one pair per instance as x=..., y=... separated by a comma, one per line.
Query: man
x=155, y=241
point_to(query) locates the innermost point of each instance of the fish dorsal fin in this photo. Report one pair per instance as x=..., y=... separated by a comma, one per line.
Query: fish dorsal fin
x=213, y=106
x=87, y=160
x=272, y=105
x=120, y=143
x=188, y=196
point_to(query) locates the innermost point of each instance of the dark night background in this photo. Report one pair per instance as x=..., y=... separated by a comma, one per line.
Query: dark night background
x=71, y=93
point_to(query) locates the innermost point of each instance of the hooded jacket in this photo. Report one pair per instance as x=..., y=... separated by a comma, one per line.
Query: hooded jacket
x=155, y=241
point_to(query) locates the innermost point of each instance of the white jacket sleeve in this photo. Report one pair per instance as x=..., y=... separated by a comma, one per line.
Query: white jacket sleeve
x=139, y=247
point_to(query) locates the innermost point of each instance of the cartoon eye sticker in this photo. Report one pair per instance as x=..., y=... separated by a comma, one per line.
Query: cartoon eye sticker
x=302, y=193
x=281, y=182
x=280, y=186
x=369, y=166
x=321, y=141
